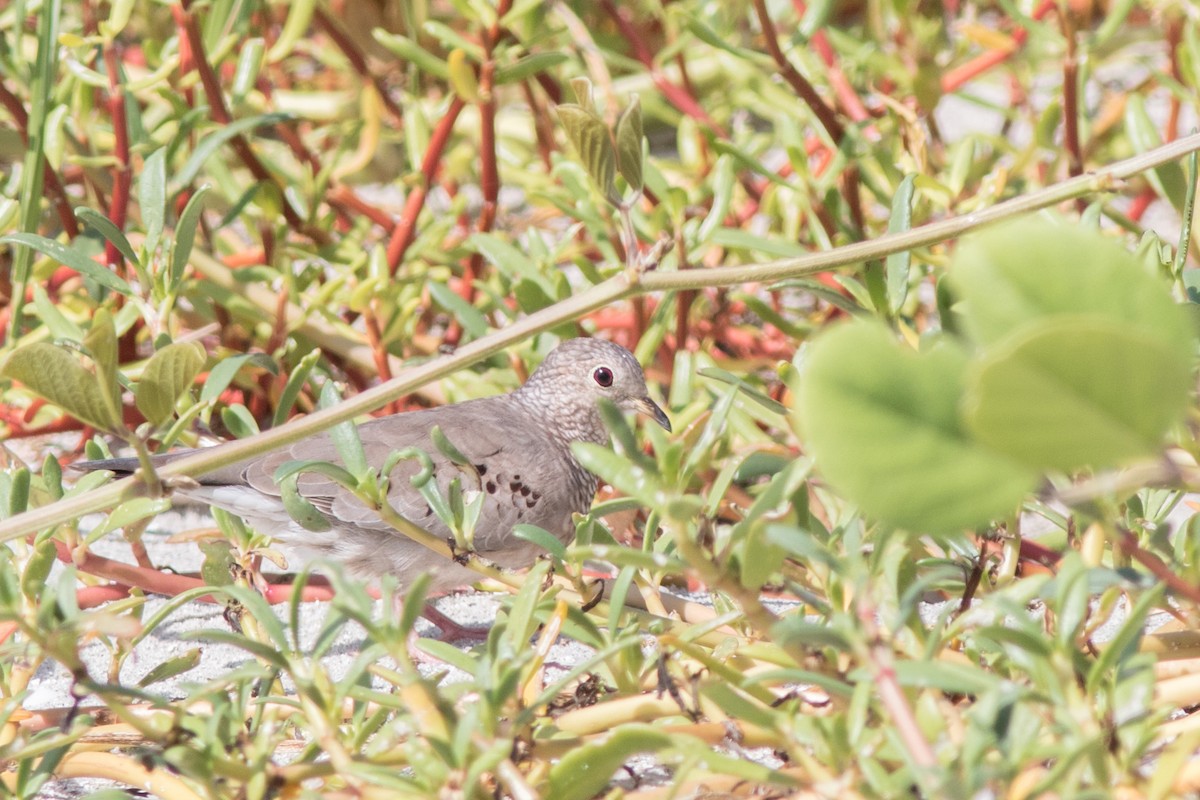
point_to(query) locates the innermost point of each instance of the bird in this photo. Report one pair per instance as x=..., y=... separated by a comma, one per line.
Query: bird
x=518, y=449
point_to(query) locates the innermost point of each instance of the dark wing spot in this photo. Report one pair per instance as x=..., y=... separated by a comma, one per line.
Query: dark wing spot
x=516, y=477
x=481, y=469
x=491, y=487
x=530, y=503
x=525, y=490
x=536, y=496
x=514, y=486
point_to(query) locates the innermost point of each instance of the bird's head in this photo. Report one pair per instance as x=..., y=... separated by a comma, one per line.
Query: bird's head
x=577, y=373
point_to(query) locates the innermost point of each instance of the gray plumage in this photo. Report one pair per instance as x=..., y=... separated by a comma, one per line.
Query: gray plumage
x=519, y=445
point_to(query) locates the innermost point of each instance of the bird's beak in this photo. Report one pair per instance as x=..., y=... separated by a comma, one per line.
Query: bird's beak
x=651, y=409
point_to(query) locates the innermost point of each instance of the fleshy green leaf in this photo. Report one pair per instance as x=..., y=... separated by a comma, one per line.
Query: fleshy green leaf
x=72, y=258
x=1077, y=391
x=584, y=771
x=527, y=66
x=629, y=144
x=57, y=376
x=883, y=424
x=224, y=372
x=105, y=227
x=589, y=137
x=168, y=374
x=1026, y=271
x=185, y=235
x=152, y=196
x=897, y=265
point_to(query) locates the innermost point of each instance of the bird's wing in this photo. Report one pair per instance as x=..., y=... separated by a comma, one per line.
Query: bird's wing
x=521, y=473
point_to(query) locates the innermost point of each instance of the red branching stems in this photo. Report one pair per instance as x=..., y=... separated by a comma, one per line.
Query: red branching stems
x=405, y=231
x=847, y=97
x=189, y=30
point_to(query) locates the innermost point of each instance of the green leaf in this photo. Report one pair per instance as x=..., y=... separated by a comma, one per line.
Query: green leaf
x=413, y=53
x=527, y=66
x=129, y=512
x=1077, y=391
x=1026, y=271
x=69, y=257
x=883, y=424
x=210, y=144
x=291, y=389
x=239, y=421
x=542, y=538
x=585, y=771
x=589, y=137
x=628, y=477
x=898, y=264
x=57, y=376
x=468, y=315
x=168, y=374
x=105, y=227
x=185, y=235
x=152, y=196
x=944, y=676
x=344, y=434
x=582, y=87
x=629, y=144
x=224, y=372
x=746, y=389
x=302, y=512
x=171, y=667
x=1167, y=179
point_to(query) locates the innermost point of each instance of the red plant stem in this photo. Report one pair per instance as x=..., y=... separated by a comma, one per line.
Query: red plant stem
x=489, y=179
x=847, y=96
x=1139, y=204
x=345, y=197
x=953, y=79
x=379, y=351
x=1071, y=103
x=800, y=85
x=85, y=598
x=879, y=659
x=405, y=231
x=118, y=208
x=54, y=187
x=165, y=583
x=1129, y=544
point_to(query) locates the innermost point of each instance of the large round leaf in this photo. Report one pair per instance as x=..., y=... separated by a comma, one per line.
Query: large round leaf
x=1077, y=391
x=1027, y=271
x=883, y=424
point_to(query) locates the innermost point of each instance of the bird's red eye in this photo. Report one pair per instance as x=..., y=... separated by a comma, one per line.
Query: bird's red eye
x=603, y=376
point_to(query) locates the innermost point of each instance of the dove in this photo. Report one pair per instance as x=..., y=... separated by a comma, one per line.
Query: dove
x=518, y=449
